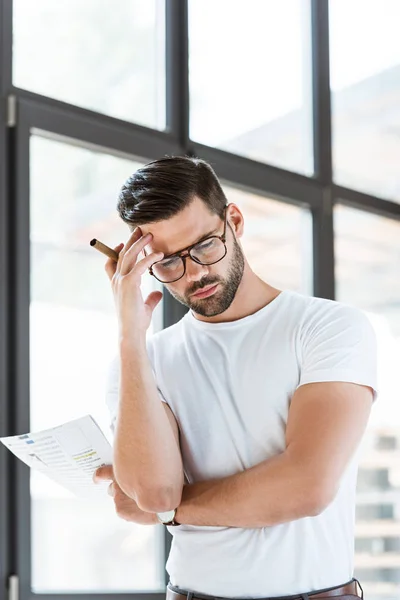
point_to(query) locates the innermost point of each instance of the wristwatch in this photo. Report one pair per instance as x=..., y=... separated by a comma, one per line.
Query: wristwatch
x=167, y=517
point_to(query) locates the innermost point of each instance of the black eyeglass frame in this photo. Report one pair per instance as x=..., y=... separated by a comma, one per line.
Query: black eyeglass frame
x=185, y=253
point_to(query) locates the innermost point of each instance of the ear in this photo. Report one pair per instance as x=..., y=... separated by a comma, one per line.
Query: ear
x=235, y=219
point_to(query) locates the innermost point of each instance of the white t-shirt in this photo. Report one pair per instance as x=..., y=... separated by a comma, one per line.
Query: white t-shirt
x=229, y=386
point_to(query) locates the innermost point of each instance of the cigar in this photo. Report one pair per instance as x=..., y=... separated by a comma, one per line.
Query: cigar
x=104, y=249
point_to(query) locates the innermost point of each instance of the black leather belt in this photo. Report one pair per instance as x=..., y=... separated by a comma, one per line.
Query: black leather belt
x=347, y=591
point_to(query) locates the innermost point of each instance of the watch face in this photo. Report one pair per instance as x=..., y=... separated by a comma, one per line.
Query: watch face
x=166, y=516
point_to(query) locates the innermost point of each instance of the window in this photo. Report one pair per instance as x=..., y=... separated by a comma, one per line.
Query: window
x=277, y=240
x=367, y=250
x=73, y=338
x=250, y=90
x=89, y=54
x=365, y=84
x=83, y=74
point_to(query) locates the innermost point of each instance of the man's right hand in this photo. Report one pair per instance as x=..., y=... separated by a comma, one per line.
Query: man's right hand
x=125, y=507
x=134, y=314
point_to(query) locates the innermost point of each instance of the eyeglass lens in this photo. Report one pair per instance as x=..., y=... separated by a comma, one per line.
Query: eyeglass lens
x=206, y=252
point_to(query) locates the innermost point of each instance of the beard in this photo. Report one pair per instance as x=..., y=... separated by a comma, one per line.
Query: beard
x=221, y=300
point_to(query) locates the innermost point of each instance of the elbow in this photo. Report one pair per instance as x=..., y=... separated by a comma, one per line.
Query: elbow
x=318, y=502
x=150, y=499
x=159, y=500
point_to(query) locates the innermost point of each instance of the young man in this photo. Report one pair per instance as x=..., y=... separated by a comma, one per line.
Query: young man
x=238, y=427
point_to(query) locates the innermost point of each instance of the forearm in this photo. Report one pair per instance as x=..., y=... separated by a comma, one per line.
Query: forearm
x=273, y=492
x=147, y=459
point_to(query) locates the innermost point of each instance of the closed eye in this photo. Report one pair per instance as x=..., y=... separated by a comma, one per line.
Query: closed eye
x=204, y=245
x=169, y=262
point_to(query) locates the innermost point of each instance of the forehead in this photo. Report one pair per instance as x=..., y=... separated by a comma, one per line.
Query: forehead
x=183, y=229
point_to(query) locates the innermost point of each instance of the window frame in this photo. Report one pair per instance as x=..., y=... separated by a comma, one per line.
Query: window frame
x=60, y=120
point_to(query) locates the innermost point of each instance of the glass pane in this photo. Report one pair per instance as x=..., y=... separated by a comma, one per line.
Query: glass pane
x=365, y=82
x=367, y=253
x=250, y=90
x=277, y=240
x=73, y=339
x=93, y=56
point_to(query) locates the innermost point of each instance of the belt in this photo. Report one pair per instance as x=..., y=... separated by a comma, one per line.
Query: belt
x=347, y=591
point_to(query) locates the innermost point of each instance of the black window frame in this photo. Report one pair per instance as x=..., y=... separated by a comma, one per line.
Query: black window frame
x=60, y=120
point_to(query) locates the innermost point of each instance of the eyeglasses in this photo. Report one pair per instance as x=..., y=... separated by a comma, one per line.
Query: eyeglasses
x=205, y=252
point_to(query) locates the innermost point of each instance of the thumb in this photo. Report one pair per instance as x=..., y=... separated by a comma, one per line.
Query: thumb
x=153, y=300
x=103, y=473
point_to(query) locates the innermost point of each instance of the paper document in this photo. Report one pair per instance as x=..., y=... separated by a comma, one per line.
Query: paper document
x=69, y=454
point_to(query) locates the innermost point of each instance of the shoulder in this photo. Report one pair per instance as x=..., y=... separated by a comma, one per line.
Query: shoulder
x=329, y=327
x=323, y=312
x=322, y=317
x=315, y=311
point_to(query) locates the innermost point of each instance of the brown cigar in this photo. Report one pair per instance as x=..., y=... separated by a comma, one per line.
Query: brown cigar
x=104, y=249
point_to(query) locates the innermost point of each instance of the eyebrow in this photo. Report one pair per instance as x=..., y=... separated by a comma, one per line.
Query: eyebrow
x=200, y=239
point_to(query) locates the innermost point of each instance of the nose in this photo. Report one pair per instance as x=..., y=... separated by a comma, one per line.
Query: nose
x=194, y=271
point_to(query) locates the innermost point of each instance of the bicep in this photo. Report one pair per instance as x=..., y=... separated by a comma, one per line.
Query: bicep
x=325, y=426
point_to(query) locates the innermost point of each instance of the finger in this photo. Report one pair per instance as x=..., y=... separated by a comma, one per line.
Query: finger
x=135, y=235
x=103, y=473
x=130, y=257
x=111, y=490
x=146, y=262
x=110, y=265
x=153, y=300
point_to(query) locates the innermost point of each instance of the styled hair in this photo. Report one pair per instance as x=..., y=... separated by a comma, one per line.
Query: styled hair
x=164, y=187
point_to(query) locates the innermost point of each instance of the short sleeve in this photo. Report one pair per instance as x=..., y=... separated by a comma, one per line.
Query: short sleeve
x=338, y=343
x=112, y=389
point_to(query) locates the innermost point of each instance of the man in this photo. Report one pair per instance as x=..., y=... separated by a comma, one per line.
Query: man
x=238, y=426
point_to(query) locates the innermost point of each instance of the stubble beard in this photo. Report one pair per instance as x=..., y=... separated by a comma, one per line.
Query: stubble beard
x=221, y=300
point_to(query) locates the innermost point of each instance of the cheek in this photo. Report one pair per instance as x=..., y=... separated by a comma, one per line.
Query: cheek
x=219, y=270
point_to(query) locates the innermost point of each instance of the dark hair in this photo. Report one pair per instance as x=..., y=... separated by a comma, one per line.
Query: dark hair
x=164, y=187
